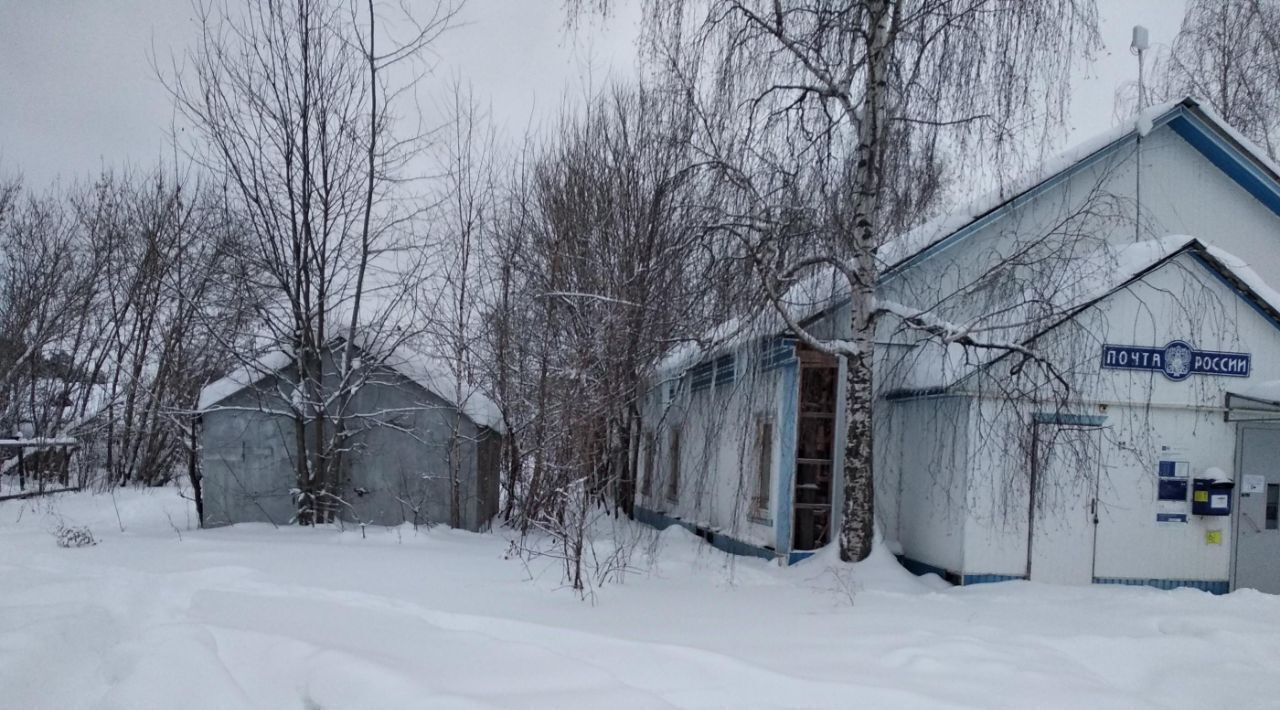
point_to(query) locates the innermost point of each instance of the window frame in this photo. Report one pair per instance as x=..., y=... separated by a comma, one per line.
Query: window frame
x=673, y=465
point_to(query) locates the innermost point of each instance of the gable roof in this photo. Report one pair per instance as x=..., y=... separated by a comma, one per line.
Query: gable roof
x=429, y=373
x=1223, y=146
x=1133, y=264
x=1228, y=150
x=1231, y=270
x=247, y=375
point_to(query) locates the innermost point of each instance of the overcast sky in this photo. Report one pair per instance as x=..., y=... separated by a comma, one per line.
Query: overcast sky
x=77, y=90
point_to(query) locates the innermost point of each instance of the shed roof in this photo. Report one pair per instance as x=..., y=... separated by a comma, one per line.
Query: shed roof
x=430, y=373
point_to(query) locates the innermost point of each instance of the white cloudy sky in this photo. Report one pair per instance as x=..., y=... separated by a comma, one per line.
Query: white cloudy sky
x=77, y=90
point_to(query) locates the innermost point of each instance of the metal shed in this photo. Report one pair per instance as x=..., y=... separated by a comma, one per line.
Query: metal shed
x=411, y=428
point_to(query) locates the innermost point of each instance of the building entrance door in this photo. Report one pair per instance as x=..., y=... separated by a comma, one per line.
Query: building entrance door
x=815, y=450
x=1256, y=551
x=1063, y=499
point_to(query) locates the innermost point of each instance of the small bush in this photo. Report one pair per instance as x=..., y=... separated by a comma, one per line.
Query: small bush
x=73, y=536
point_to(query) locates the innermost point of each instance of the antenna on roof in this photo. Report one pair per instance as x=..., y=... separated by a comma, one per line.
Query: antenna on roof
x=1138, y=47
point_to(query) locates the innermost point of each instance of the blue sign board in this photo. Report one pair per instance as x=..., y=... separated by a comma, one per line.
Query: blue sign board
x=1176, y=361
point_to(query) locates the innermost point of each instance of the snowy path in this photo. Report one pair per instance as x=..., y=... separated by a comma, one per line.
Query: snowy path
x=254, y=617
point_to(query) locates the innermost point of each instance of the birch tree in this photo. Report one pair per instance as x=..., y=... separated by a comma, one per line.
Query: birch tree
x=847, y=103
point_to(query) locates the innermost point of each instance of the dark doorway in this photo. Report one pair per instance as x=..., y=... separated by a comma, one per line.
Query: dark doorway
x=815, y=442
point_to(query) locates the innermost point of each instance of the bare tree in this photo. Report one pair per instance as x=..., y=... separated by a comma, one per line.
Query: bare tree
x=115, y=290
x=45, y=284
x=47, y=274
x=598, y=248
x=467, y=204
x=847, y=105
x=293, y=103
x=1226, y=53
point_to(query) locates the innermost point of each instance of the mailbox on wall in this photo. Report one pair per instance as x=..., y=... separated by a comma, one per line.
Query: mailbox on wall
x=1211, y=496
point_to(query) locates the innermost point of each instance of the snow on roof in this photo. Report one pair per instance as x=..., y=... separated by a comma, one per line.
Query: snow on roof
x=898, y=250
x=685, y=355
x=913, y=242
x=1254, y=150
x=823, y=288
x=1113, y=267
x=939, y=366
x=432, y=374
x=810, y=295
x=807, y=297
x=934, y=364
x=247, y=375
x=1247, y=276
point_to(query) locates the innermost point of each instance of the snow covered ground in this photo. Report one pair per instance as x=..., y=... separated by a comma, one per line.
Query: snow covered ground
x=160, y=615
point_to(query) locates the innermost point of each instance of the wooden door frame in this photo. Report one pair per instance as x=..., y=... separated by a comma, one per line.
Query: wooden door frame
x=811, y=359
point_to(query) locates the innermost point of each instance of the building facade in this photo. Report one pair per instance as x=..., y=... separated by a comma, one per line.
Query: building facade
x=1090, y=403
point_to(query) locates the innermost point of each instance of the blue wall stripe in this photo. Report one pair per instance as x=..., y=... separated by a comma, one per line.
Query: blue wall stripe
x=1213, y=586
x=796, y=555
x=734, y=546
x=720, y=541
x=1066, y=419
x=989, y=578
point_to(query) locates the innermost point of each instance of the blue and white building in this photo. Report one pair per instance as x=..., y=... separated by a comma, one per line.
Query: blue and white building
x=1096, y=402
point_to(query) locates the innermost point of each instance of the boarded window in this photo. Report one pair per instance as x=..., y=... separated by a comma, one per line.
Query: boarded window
x=650, y=451
x=764, y=466
x=673, y=476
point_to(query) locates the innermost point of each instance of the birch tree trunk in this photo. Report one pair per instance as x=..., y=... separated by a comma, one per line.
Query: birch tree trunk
x=857, y=520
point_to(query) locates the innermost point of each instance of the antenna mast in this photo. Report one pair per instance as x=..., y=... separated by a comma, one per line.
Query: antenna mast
x=1138, y=48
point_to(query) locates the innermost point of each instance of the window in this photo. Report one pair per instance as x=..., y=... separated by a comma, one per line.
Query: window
x=777, y=353
x=700, y=377
x=673, y=476
x=1273, y=506
x=726, y=370
x=650, y=450
x=764, y=467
